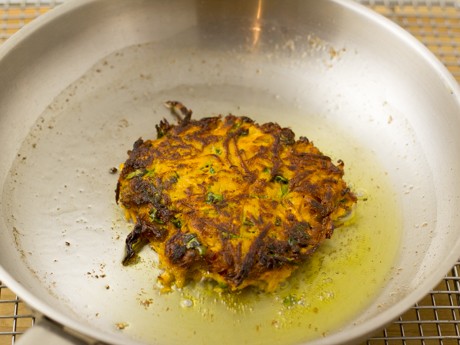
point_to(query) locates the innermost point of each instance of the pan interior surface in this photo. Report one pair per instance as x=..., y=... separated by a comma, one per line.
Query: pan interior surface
x=64, y=233
x=88, y=129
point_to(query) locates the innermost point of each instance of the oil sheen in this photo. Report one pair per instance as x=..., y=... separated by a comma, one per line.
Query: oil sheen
x=341, y=279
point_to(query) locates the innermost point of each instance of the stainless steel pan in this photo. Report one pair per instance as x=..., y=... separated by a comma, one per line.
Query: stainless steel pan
x=82, y=83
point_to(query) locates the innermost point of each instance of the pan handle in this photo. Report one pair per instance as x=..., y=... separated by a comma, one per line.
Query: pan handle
x=48, y=332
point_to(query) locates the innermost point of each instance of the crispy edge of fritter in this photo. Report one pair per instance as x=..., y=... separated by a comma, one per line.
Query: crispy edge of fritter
x=146, y=231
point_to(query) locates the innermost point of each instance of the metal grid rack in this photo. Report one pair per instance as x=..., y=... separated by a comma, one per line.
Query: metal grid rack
x=436, y=23
x=433, y=320
x=15, y=317
x=14, y=14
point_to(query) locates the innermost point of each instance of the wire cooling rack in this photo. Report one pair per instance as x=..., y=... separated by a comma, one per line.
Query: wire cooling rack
x=14, y=14
x=433, y=320
x=15, y=317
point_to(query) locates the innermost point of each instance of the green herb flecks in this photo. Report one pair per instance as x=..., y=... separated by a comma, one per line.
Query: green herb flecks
x=248, y=222
x=217, y=150
x=177, y=223
x=135, y=173
x=229, y=235
x=278, y=221
x=150, y=173
x=284, y=189
x=284, y=182
x=212, y=198
x=154, y=216
x=290, y=301
x=193, y=243
x=208, y=168
x=281, y=179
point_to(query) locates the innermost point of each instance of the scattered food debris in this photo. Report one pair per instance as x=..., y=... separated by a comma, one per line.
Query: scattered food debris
x=121, y=325
x=147, y=302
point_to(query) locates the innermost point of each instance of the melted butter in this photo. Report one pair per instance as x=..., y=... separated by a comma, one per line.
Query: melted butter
x=341, y=279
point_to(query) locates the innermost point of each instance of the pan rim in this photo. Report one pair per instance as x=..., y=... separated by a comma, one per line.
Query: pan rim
x=367, y=327
x=358, y=331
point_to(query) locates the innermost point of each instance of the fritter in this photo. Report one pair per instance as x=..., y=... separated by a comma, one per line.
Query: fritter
x=228, y=199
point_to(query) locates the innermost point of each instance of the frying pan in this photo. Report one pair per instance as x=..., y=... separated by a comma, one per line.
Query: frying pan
x=83, y=82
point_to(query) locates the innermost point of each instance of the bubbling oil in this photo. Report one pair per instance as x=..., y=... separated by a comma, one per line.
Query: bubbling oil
x=340, y=279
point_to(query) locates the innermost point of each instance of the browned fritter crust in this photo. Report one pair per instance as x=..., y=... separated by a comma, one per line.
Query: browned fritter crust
x=228, y=199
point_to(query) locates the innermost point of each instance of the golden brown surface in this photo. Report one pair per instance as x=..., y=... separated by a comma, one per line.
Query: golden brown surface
x=231, y=200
